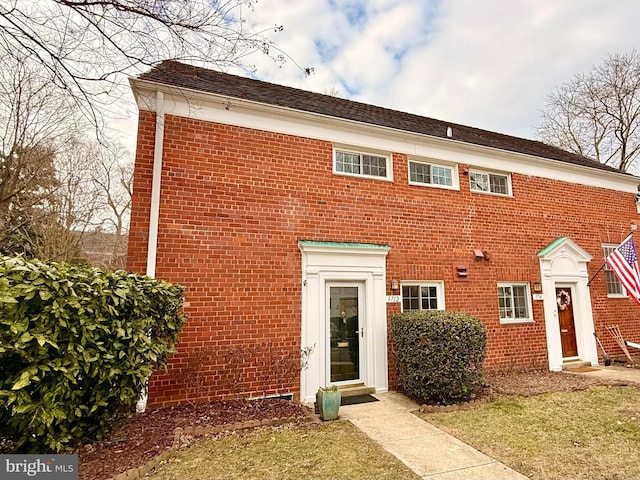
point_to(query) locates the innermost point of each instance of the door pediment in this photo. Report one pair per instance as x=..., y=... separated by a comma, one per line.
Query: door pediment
x=564, y=257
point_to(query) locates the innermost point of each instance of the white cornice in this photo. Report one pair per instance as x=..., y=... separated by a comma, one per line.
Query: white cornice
x=250, y=114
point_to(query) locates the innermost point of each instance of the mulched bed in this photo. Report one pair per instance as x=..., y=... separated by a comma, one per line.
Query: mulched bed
x=145, y=435
x=538, y=383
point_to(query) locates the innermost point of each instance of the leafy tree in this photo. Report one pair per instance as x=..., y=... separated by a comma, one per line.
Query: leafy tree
x=34, y=120
x=27, y=177
x=86, y=206
x=55, y=183
x=597, y=114
x=72, y=204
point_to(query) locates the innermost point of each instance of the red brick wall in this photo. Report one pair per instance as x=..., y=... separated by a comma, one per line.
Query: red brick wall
x=235, y=201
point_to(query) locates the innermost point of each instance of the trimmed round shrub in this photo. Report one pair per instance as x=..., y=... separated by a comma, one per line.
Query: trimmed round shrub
x=77, y=345
x=438, y=354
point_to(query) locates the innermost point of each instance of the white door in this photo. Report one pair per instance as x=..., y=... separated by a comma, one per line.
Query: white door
x=345, y=333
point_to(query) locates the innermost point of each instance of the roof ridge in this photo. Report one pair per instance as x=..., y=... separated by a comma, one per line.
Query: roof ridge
x=175, y=73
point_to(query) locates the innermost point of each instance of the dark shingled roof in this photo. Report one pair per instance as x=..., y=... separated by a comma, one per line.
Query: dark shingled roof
x=197, y=78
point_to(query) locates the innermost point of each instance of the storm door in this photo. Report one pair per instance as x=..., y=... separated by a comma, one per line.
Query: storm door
x=345, y=332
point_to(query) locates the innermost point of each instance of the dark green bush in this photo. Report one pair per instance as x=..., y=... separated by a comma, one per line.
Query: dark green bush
x=438, y=354
x=76, y=347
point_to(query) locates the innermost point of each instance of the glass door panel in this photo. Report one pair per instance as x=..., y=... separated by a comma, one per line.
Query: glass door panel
x=344, y=333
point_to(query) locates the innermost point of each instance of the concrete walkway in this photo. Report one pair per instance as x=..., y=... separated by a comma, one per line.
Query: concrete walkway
x=428, y=451
x=612, y=372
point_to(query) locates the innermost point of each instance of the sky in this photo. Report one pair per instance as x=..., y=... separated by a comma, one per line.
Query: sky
x=489, y=64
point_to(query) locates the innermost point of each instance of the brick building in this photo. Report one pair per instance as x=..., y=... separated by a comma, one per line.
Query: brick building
x=298, y=220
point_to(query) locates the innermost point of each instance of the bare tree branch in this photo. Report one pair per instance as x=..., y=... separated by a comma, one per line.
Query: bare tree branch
x=63, y=62
x=34, y=120
x=87, y=47
x=48, y=196
x=598, y=114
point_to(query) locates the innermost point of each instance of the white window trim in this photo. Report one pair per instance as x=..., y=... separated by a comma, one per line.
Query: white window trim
x=510, y=321
x=358, y=151
x=455, y=181
x=624, y=293
x=439, y=284
x=492, y=172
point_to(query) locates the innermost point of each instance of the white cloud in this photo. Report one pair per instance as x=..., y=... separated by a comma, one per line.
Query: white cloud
x=487, y=64
x=491, y=64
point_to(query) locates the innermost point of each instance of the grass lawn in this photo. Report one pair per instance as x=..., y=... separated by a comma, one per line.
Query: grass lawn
x=593, y=434
x=335, y=450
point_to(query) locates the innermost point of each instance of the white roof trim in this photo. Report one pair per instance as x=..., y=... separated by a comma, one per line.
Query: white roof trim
x=250, y=114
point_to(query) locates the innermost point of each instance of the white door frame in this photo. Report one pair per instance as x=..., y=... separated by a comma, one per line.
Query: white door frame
x=564, y=263
x=328, y=262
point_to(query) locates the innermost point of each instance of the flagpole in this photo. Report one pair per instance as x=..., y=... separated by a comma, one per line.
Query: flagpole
x=605, y=262
x=597, y=272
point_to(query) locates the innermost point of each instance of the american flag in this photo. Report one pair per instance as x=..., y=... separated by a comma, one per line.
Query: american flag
x=623, y=261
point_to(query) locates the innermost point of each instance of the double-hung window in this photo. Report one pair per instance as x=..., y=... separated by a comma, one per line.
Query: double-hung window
x=514, y=303
x=489, y=182
x=614, y=287
x=372, y=165
x=422, y=296
x=432, y=174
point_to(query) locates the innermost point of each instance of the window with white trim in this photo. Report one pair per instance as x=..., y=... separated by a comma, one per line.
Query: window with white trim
x=422, y=296
x=432, y=174
x=362, y=164
x=614, y=287
x=514, y=302
x=488, y=182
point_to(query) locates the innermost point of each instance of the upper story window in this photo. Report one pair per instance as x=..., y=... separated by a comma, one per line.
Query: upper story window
x=614, y=287
x=489, y=182
x=514, y=303
x=422, y=296
x=365, y=164
x=432, y=174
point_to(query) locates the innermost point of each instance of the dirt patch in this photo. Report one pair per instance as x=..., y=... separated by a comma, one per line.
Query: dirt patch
x=144, y=435
x=537, y=383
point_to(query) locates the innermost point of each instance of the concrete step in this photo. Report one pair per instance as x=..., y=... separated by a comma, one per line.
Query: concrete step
x=350, y=391
x=573, y=364
x=353, y=390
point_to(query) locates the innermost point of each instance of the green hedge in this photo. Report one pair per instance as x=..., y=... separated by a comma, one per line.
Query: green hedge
x=76, y=347
x=438, y=354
